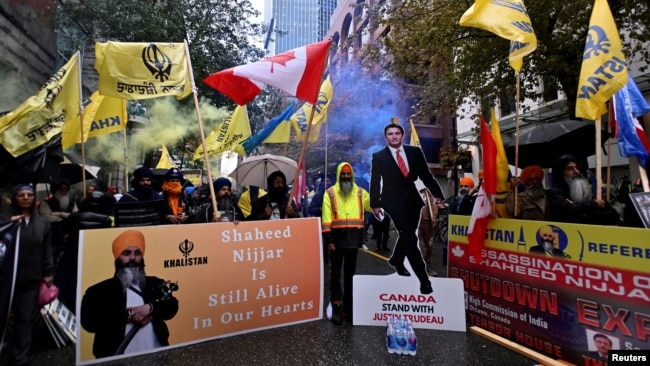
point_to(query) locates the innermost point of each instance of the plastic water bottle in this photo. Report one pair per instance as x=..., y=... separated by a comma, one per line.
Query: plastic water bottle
x=412, y=342
x=391, y=340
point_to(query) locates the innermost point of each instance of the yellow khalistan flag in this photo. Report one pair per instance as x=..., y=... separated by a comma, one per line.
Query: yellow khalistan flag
x=228, y=134
x=166, y=161
x=42, y=116
x=507, y=19
x=142, y=70
x=102, y=115
x=603, y=70
x=300, y=118
x=415, y=140
x=503, y=170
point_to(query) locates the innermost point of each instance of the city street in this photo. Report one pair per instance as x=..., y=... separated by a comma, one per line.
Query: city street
x=314, y=343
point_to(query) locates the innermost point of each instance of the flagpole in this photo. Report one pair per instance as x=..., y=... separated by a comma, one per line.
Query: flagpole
x=81, y=130
x=518, y=77
x=126, y=163
x=609, y=160
x=599, y=178
x=306, y=138
x=202, y=133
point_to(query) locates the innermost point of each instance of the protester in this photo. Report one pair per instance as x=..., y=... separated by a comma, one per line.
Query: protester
x=571, y=196
x=248, y=198
x=94, y=213
x=111, y=308
x=395, y=168
x=141, y=191
x=34, y=266
x=316, y=204
x=56, y=210
x=226, y=207
x=176, y=208
x=115, y=192
x=428, y=222
x=342, y=225
x=275, y=204
x=532, y=203
x=463, y=203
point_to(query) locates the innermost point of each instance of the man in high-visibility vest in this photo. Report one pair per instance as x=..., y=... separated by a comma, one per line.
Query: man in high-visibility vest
x=342, y=224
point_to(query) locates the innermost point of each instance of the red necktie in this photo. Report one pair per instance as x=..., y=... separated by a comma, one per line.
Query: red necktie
x=401, y=164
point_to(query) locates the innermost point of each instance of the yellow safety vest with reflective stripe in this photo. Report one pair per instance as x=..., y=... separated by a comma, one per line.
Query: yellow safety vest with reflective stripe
x=344, y=214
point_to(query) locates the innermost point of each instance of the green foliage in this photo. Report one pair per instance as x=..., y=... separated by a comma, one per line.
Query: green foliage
x=445, y=63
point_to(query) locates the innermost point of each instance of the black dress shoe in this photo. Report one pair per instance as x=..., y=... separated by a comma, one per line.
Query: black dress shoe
x=401, y=270
x=425, y=288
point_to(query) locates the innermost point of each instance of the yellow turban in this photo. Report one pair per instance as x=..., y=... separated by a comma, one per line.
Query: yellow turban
x=129, y=238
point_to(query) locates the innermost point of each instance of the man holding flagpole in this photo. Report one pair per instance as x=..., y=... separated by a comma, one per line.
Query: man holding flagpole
x=395, y=168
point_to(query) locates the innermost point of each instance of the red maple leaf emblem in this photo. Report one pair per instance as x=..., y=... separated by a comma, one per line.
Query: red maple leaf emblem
x=281, y=59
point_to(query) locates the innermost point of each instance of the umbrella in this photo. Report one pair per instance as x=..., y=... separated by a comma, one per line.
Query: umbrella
x=254, y=170
x=71, y=168
x=543, y=144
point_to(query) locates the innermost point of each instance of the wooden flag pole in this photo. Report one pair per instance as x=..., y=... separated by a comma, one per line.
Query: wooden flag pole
x=517, y=144
x=609, y=163
x=202, y=133
x=81, y=130
x=126, y=162
x=306, y=138
x=599, y=178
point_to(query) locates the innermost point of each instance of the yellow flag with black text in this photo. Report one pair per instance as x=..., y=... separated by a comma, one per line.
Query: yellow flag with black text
x=228, y=134
x=507, y=19
x=43, y=115
x=102, y=115
x=142, y=70
x=603, y=70
x=300, y=118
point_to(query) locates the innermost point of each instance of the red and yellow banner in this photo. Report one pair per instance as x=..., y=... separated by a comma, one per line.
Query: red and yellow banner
x=555, y=287
x=232, y=279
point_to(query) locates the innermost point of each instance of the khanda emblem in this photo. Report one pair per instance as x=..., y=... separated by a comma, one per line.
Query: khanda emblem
x=51, y=94
x=186, y=247
x=157, y=62
x=597, y=42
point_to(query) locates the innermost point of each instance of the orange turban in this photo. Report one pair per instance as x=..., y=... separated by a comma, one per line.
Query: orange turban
x=533, y=170
x=346, y=169
x=481, y=173
x=129, y=238
x=467, y=181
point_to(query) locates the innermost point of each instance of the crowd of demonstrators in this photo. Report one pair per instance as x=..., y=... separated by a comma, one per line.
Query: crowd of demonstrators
x=227, y=209
x=342, y=223
x=276, y=203
x=35, y=265
x=571, y=198
x=533, y=202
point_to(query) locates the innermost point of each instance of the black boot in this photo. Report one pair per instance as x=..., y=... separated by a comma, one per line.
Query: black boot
x=336, y=314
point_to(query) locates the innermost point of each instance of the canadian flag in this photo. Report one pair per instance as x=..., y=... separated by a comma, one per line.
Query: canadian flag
x=297, y=72
x=482, y=211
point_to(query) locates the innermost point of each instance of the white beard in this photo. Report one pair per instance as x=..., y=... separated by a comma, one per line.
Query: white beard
x=579, y=189
x=64, y=200
x=132, y=276
x=346, y=187
x=535, y=192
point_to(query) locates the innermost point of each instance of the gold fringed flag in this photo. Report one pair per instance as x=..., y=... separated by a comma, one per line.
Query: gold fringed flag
x=507, y=19
x=102, y=115
x=228, y=134
x=42, y=116
x=300, y=119
x=603, y=70
x=142, y=70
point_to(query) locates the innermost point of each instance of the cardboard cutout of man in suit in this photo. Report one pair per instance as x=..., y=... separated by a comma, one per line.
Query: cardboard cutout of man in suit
x=395, y=168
